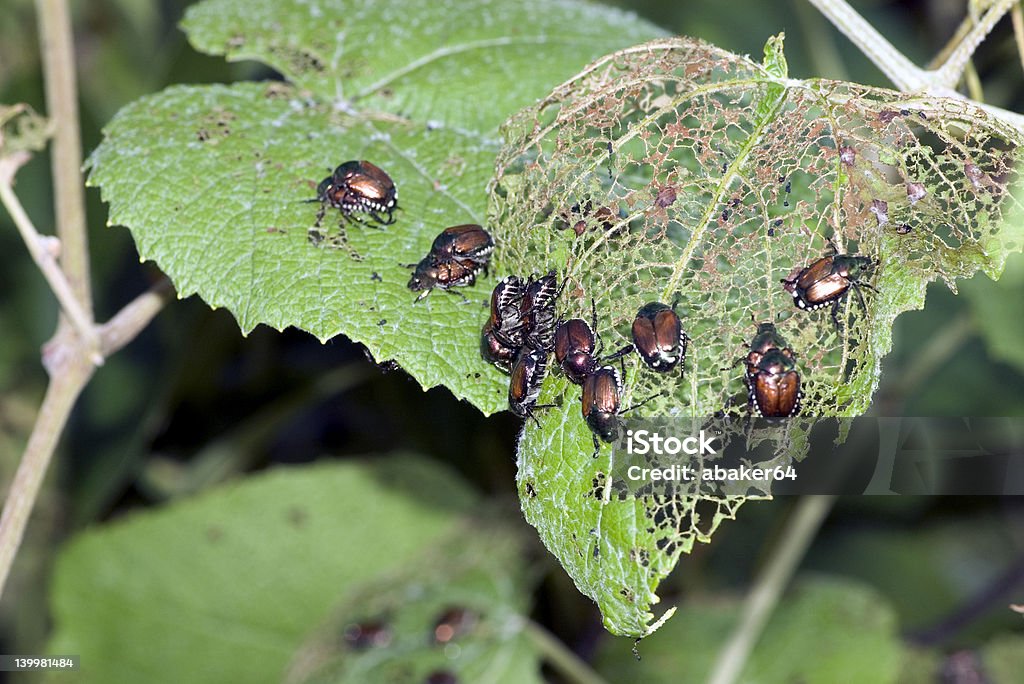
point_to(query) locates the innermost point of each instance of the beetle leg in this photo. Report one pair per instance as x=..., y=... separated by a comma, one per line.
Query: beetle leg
x=379, y=222
x=618, y=355
x=835, y=314
x=597, y=444
x=638, y=405
x=465, y=300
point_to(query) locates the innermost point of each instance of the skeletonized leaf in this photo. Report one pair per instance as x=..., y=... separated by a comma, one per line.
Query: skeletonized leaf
x=678, y=172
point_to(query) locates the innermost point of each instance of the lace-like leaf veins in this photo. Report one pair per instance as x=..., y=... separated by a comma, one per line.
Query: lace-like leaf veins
x=678, y=172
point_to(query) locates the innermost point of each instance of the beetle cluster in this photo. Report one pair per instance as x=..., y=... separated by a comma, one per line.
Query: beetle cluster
x=659, y=340
x=452, y=624
x=519, y=335
x=521, y=331
x=455, y=258
x=773, y=382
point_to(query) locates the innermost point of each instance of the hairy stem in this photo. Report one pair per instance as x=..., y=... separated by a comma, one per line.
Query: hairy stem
x=70, y=367
x=73, y=373
x=66, y=154
x=45, y=259
x=901, y=71
x=807, y=518
x=948, y=75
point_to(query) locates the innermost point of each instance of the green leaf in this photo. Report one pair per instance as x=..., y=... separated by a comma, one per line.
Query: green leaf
x=678, y=172
x=224, y=587
x=825, y=630
x=473, y=582
x=462, y=63
x=996, y=310
x=1003, y=658
x=212, y=180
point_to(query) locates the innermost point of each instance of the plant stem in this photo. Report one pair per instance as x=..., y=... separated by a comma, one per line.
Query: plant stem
x=47, y=263
x=1017, y=15
x=73, y=372
x=948, y=75
x=134, y=317
x=933, y=356
x=59, y=72
x=903, y=73
x=799, y=532
x=73, y=353
x=560, y=657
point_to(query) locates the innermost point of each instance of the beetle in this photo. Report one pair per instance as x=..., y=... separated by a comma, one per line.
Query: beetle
x=502, y=334
x=658, y=336
x=441, y=677
x=602, y=392
x=773, y=382
x=766, y=337
x=466, y=242
x=527, y=377
x=537, y=311
x=828, y=281
x=575, y=347
x=452, y=623
x=365, y=635
x=358, y=186
x=429, y=274
x=601, y=397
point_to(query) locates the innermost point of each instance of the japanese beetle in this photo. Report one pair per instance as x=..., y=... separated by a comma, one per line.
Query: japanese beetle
x=774, y=384
x=358, y=186
x=772, y=380
x=502, y=335
x=441, y=677
x=602, y=391
x=827, y=281
x=576, y=348
x=537, y=311
x=658, y=336
x=444, y=274
x=452, y=623
x=766, y=337
x=467, y=242
x=527, y=377
x=365, y=635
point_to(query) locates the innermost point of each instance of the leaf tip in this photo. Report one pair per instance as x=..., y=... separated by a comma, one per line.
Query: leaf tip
x=774, y=56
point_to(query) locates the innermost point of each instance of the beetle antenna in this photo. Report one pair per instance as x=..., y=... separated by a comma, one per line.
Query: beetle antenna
x=634, y=406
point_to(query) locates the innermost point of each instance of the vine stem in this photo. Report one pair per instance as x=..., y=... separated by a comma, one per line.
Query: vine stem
x=42, y=250
x=903, y=73
x=561, y=658
x=797, y=537
x=69, y=363
x=59, y=72
x=79, y=345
